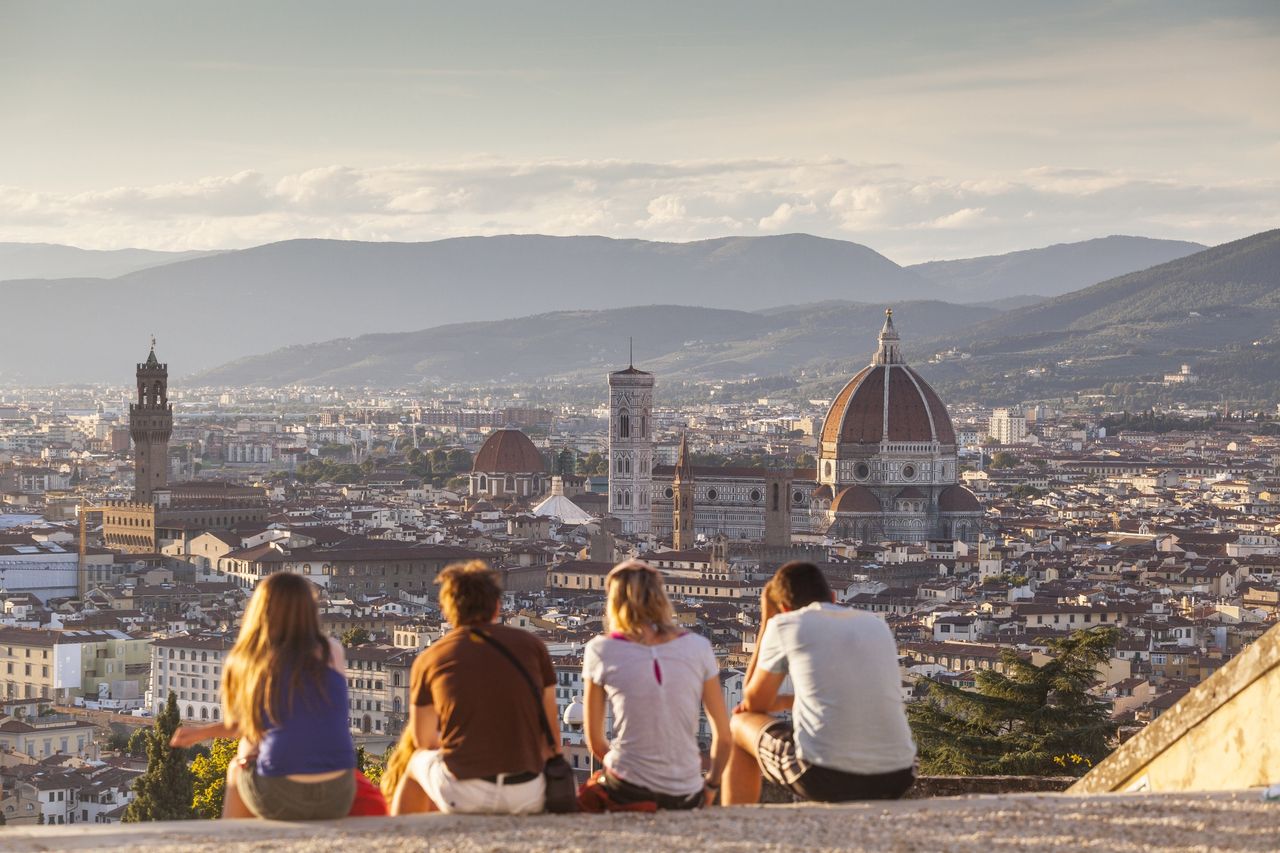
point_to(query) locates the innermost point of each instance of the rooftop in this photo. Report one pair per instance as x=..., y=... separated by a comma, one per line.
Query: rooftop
x=986, y=824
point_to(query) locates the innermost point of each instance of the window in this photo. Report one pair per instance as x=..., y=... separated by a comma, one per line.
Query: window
x=624, y=424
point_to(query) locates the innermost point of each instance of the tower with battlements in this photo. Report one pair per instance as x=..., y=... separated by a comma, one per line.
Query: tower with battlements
x=150, y=426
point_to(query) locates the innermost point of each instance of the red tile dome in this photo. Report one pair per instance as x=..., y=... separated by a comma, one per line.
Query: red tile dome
x=508, y=451
x=856, y=499
x=958, y=499
x=887, y=401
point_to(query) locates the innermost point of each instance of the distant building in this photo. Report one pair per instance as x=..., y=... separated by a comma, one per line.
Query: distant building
x=1184, y=376
x=160, y=513
x=510, y=466
x=631, y=449
x=1008, y=427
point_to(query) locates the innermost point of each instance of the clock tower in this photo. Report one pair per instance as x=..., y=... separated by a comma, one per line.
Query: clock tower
x=631, y=448
x=150, y=425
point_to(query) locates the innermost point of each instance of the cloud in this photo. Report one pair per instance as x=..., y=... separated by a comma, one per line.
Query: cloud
x=907, y=214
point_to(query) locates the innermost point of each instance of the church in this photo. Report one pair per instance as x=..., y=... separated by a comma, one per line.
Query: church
x=886, y=469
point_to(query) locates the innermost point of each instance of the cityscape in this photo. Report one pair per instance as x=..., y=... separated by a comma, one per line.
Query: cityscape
x=1027, y=417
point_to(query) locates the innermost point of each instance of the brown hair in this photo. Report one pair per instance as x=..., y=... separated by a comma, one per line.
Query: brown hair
x=279, y=633
x=636, y=598
x=797, y=584
x=469, y=593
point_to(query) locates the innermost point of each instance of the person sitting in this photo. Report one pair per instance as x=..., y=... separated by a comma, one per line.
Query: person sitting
x=284, y=694
x=481, y=738
x=655, y=678
x=849, y=739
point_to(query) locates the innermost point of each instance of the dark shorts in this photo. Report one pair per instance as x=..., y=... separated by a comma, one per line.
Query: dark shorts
x=282, y=798
x=776, y=750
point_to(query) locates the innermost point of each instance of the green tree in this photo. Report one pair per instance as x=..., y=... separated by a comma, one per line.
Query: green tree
x=209, y=777
x=1004, y=459
x=1028, y=720
x=355, y=637
x=163, y=791
x=138, y=742
x=592, y=464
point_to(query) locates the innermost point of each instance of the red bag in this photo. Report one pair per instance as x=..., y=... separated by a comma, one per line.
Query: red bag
x=369, y=801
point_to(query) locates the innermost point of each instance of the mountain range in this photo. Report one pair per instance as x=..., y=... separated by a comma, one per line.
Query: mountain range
x=1052, y=270
x=476, y=298
x=1218, y=309
x=50, y=260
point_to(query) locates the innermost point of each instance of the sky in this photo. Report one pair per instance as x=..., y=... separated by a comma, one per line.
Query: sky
x=922, y=129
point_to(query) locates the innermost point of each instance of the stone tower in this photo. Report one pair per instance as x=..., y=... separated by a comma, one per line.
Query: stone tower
x=631, y=448
x=777, y=509
x=682, y=532
x=150, y=425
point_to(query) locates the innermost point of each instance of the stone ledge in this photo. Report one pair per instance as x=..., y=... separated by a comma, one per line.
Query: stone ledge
x=1236, y=821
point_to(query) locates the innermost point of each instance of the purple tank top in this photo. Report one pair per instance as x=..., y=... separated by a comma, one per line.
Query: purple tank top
x=313, y=736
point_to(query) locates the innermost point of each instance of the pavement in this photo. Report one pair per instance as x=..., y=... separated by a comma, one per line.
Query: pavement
x=1116, y=823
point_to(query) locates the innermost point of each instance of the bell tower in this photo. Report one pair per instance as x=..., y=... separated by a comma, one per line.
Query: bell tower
x=631, y=449
x=150, y=426
x=682, y=528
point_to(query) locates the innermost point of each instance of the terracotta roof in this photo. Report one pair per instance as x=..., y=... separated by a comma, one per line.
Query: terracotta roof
x=856, y=499
x=912, y=410
x=508, y=451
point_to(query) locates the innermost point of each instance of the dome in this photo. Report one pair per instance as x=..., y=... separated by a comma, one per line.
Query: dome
x=958, y=499
x=887, y=401
x=508, y=451
x=856, y=499
x=822, y=493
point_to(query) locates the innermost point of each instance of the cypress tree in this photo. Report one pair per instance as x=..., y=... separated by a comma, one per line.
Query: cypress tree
x=163, y=792
x=1028, y=720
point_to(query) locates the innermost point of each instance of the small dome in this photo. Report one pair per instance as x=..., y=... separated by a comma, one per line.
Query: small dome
x=822, y=493
x=958, y=499
x=856, y=499
x=508, y=451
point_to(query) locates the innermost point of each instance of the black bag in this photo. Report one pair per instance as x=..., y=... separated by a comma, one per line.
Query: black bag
x=562, y=789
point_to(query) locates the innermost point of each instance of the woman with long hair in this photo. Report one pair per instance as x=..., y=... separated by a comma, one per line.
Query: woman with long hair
x=655, y=678
x=284, y=695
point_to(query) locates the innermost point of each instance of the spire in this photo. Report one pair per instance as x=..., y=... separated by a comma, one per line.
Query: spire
x=152, y=361
x=684, y=470
x=631, y=354
x=887, y=353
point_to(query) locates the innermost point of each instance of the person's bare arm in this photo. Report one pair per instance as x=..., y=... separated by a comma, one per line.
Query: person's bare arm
x=768, y=609
x=721, y=740
x=593, y=720
x=761, y=694
x=185, y=736
x=553, y=718
x=426, y=726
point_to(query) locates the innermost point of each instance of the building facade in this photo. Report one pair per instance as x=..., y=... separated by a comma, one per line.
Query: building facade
x=631, y=449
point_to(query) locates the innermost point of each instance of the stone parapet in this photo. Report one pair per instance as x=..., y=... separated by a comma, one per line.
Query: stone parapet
x=983, y=824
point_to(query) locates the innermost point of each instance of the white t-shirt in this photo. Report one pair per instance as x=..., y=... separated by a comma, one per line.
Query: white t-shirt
x=655, y=693
x=843, y=663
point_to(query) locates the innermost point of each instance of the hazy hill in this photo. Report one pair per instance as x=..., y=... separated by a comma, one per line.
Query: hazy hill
x=1218, y=310
x=213, y=309
x=674, y=341
x=1052, y=270
x=49, y=260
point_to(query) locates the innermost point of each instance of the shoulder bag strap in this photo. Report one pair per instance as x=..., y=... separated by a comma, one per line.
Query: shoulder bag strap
x=533, y=688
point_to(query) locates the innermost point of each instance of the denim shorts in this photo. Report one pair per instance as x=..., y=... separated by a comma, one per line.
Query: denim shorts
x=282, y=798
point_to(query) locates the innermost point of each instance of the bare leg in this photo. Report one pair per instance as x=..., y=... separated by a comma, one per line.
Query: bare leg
x=742, y=780
x=232, y=805
x=409, y=798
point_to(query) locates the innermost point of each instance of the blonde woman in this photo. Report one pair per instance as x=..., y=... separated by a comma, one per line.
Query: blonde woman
x=655, y=678
x=284, y=694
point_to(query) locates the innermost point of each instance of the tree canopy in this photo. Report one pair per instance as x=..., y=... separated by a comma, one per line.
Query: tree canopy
x=163, y=791
x=1028, y=720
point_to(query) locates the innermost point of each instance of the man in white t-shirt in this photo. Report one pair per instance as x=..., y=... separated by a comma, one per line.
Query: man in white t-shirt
x=849, y=738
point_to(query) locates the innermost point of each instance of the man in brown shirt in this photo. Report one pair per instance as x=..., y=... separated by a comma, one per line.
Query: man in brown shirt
x=478, y=730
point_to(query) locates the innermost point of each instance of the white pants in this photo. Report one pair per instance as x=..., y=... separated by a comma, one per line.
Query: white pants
x=473, y=796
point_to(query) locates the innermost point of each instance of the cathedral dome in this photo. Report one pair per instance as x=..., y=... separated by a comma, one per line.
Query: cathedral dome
x=856, y=499
x=887, y=401
x=508, y=451
x=958, y=499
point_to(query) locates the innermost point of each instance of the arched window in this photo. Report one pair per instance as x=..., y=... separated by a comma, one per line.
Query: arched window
x=643, y=426
x=191, y=712
x=204, y=713
x=776, y=496
x=510, y=484
x=157, y=393
x=484, y=483
x=624, y=424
